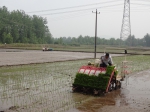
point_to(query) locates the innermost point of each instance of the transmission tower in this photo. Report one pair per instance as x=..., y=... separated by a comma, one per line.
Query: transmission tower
x=126, y=27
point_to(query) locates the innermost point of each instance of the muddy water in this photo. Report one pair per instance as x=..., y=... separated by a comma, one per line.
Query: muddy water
x=18, y=57
x=134, y=95
x=52, y=92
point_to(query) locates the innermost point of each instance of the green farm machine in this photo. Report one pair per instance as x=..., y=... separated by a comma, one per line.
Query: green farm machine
x=95, y=80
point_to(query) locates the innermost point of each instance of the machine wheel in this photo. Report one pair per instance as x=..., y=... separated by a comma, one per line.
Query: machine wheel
x=85, y=90
x=74, y=89
x=110, y=87
x=123, y=77
x=98, y=92
x=118, y=85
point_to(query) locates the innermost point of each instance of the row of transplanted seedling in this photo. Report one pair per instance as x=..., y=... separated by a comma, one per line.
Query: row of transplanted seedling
x=47, y=87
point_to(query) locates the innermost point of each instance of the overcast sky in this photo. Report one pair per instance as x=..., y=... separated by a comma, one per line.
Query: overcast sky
x=77, y=21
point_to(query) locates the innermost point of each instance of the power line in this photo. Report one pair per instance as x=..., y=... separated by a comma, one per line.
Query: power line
x=75, y=6
x=112, y=10
x=81, y=10
x=142, y=0
x=81, y=15
x=102, y=11
x=68, y=17
x=85, y=14
x=140, y=4
x=72, y=16
x=83, y=6
x=89, y=9
x=92, y=8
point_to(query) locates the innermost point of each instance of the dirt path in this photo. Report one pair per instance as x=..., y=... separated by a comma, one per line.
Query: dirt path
x=16, y=57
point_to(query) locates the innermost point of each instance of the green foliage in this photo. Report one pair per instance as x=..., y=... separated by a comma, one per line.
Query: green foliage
x=109, y=70
x=116, y=72
x=87, y=40
x=23, y=28
x=94, y=82
x=7, y=38
x=56, y=42
x=146, y=40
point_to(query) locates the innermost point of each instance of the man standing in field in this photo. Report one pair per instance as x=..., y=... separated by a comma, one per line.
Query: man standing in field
x=106, y=60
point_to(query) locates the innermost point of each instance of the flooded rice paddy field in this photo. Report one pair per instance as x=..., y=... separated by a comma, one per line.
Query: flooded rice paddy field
x=47, y=88
x=19, y=57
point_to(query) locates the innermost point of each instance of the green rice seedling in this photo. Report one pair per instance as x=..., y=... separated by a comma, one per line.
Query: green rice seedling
x=51, y=79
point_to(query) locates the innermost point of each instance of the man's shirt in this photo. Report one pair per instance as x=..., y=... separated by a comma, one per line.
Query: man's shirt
x=107, y=61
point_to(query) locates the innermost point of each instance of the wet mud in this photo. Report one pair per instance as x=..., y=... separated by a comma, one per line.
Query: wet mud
x=51, y=91
x=134, y=96
x=20, y=57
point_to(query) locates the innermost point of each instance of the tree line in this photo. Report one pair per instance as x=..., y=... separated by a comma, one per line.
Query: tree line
x=18, y=27
x=87, y=40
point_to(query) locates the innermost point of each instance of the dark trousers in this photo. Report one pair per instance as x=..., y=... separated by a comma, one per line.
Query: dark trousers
x=104, y=65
